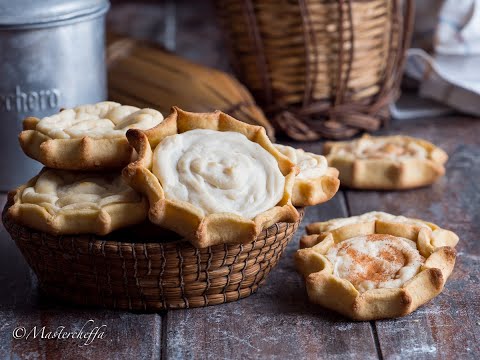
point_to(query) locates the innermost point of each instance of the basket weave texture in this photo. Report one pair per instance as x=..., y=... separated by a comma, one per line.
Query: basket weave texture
x=91, y=270
x=320, y=68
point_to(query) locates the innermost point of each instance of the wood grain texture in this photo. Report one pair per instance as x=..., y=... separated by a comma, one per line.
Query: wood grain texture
x=447, y=327
x=127, y=335
x=276, y=322
x=18, y=283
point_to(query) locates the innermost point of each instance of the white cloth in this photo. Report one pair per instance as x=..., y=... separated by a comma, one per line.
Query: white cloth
x=451, y=73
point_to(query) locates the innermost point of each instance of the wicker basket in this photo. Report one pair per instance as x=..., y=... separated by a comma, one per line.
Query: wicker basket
x=148, y=276
x=320, y=68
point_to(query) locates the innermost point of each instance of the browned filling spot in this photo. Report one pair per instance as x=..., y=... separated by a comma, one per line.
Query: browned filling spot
x=381, y=268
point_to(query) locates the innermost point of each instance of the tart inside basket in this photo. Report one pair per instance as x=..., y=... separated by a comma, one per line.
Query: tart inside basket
x=130, y=269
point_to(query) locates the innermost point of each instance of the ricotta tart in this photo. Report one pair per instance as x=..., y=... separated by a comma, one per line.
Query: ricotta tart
x=315, y=182
x=376, y=265
x=211, y=178
x=375, y=261
x=339, y=228
x=386, y=162
x=87, y=137
x=64, y=202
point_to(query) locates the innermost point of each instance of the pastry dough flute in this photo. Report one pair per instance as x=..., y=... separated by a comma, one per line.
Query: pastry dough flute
x=386, y=162
x=63, y=202
x=220, y=215
x=315, y=182
x=371, y=267
x=87, y=137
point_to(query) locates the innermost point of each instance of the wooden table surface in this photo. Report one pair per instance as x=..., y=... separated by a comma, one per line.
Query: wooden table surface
x=277, y=321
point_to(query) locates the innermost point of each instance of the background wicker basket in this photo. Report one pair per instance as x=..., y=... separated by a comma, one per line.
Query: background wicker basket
x=320, y=68
x=115, y=272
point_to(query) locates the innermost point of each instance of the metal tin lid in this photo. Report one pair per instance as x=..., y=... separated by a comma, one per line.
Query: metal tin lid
x=35, y=13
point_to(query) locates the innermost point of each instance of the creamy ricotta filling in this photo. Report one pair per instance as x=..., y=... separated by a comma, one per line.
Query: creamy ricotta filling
x=375, y=261
x=218, y=172
x=58, y=190
x=102, y=120
x=310, y=165
x=384, y=148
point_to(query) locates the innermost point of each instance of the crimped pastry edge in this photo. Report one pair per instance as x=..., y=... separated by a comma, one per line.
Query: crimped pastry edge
x=83, y=153
x=435, y=244
x=185, y=218
x=88, y=221
x=315, y=190
x=387, y=174
x=76, y=154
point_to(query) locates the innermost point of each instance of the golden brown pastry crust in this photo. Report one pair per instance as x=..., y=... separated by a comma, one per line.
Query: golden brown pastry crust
x=184, y=218
x=434, y=244
x=80, y=153
x=387, y=173
x=76, y=154
x=309, y=191
x=100, y=221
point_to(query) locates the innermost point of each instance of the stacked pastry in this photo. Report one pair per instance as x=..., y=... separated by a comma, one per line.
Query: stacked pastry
x=81, y=190
x=208, y=177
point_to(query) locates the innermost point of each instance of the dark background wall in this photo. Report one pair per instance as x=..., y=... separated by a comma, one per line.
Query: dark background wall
x=187, y=27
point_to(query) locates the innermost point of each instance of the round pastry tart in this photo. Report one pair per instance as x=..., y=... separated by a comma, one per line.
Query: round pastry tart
x=87, y=137
x=316, y=182
x=376, y=265
x=386, y=162
x=66, y=202
x=211, y=178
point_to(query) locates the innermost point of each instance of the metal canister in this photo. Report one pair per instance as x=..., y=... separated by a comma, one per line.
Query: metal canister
x=52, y=55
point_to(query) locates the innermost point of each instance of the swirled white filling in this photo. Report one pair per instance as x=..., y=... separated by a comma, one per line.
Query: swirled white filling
x=102, y=120
x=389, y=147
x=58, y=190
x=218, y=172
x=375, y=261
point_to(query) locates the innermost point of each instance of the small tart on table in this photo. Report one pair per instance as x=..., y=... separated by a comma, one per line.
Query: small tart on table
x=211, y=178
x=61, y=202
x=316, y=182
x=376, y=265
x=87, y=137
x=386, y=162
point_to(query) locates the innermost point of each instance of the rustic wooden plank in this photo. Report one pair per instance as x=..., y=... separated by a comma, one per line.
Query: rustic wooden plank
x=447, y=327
x=17, y=281
x=126, y=335
x=276, y=322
